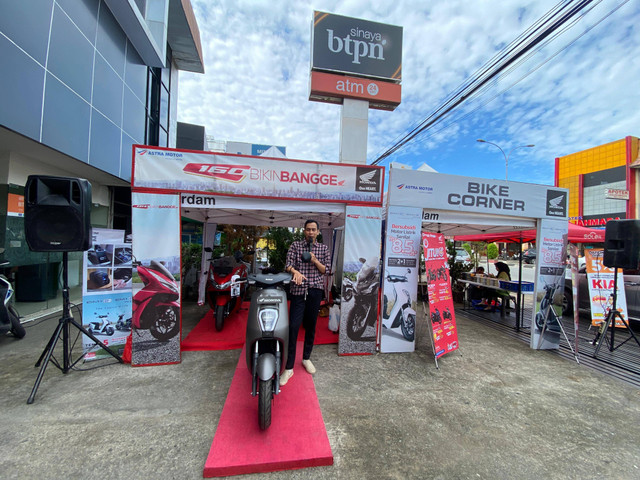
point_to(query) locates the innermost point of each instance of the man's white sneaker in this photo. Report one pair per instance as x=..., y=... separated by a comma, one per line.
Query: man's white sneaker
x=284, y=378
x=308, y=366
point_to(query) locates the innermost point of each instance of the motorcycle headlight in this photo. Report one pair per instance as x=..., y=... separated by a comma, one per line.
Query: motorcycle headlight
x=268, y=319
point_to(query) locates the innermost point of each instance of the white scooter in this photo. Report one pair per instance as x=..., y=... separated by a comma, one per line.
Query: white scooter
x=401, y=315
x=9, y=317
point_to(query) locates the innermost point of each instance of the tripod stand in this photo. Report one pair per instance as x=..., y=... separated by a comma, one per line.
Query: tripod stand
x=611, y=316
x=64, y=329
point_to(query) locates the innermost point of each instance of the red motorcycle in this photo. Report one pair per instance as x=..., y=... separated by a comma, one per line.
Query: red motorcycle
x=226, y=285
x=156, y=307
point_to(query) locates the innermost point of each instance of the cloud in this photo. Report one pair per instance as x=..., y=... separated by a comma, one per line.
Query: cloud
x=257, y=60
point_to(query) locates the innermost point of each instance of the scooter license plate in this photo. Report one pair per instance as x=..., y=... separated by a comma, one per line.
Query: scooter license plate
x=235, y=290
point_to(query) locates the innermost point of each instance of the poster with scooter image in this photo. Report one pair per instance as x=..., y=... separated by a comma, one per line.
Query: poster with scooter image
x=400, y=285
x=551, y=265
x=441, y=311
x=108, y=317
x=106, y=296
x=360, y=281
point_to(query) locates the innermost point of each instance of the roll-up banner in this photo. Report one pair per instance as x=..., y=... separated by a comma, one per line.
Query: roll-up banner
x=400, y=285
x=106, y=293
x=360, y=280
x=601, y=282
x=156, y=281
x=551, y=268
x=442, y=316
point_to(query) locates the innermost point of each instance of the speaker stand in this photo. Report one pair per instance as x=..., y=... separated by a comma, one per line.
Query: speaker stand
x=610, y=322
x=64, y=328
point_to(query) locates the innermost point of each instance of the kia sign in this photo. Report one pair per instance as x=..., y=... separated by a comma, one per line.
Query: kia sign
x=333, y=88
x=352, y=45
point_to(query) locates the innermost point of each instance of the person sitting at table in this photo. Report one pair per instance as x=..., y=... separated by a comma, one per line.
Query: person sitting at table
x=476, y=292
x=504, y=273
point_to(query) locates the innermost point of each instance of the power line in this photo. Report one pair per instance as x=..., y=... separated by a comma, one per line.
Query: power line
x=558, y=16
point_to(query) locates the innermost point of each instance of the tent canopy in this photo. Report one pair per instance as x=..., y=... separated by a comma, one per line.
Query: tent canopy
x=577, y=234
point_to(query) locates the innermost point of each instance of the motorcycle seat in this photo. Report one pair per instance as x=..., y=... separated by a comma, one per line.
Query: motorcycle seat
x=396, y=278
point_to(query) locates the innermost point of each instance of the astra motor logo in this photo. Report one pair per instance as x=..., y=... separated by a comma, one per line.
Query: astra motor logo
x=160, y=153
x=418, y=188
x=229, y=173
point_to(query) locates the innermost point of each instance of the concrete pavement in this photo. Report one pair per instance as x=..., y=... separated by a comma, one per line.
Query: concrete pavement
x=494, y=409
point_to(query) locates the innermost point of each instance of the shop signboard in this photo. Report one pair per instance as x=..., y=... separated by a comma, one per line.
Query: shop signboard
x=352, y=45
x=442, y=316
x=332, y=88
x=601, y=281
x=469, y=194
x=170, y=170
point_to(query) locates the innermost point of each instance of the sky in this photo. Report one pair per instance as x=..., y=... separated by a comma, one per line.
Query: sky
x=580, y=91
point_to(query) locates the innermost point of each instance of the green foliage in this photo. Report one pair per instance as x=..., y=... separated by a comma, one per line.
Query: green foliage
x=279, y=239
x=191, y=255
x=467, y=248
x=492, y=251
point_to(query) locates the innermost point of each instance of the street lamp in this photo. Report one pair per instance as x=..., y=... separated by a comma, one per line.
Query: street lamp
x=506, y=155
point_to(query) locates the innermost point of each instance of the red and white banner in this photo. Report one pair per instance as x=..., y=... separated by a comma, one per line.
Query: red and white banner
x=173, y=171
x=442, y=316
x=601, y=282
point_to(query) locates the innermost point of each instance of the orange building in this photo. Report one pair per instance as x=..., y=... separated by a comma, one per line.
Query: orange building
x=602, y=181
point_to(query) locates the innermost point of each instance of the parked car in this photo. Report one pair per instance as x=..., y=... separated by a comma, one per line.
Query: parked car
x=529, y=256
x=631, y=291
x=462, y=256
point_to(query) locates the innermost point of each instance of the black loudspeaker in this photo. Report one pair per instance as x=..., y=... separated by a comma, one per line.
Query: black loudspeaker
x=622, y=244
x=57, y=214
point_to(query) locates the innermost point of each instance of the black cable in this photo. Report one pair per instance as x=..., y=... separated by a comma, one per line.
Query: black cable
x=481, y=78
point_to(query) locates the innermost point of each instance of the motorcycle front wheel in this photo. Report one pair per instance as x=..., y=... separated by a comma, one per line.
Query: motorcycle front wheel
x=265, y=395
x=166, y=324
x=356, y=322
x=408, y=327
x=219, y=317
x=16, y=327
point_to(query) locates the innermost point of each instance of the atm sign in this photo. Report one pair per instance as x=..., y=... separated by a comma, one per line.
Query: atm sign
x=331, y=88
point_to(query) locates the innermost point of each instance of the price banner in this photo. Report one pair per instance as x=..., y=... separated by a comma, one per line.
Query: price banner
x=601, y=282
x=441, y=313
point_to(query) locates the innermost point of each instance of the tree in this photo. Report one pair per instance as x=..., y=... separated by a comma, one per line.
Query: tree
x=279, y=239
x=240, y=238
x=492, y=251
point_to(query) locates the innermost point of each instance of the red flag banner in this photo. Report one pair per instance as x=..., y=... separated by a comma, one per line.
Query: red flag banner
x=442, y=315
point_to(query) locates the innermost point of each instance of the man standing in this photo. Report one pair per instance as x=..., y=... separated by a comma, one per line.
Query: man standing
x=308, y=262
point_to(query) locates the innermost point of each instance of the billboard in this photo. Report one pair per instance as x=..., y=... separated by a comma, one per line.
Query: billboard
x=352, y=45
x=174, y=170
x=332, y=88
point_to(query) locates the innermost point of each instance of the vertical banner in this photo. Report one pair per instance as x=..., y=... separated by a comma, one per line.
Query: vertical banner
x=400, y=286
x=106, y=293
x=601, y=282
x=550, y=271
x=573, y=261
x=360, y=280
x=156, y=289
x=442, y=316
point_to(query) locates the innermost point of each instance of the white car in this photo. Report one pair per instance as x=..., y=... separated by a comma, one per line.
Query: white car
x=462, y=255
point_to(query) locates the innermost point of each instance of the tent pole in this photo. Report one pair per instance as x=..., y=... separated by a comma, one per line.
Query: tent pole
x=519, y=301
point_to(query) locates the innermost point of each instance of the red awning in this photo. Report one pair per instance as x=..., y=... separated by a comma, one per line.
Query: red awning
x=577, y=234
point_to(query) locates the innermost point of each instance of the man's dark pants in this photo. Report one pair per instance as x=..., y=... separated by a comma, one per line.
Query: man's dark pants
x=301, y=312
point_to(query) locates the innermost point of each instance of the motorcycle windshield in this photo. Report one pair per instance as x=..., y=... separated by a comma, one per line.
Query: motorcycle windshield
x=158, y=267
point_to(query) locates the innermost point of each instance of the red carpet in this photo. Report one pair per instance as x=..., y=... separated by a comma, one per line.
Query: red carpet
x=205, y=337
x=297, y=437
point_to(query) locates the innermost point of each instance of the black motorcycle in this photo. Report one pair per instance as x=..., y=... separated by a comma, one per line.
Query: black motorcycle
x=364, y=292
